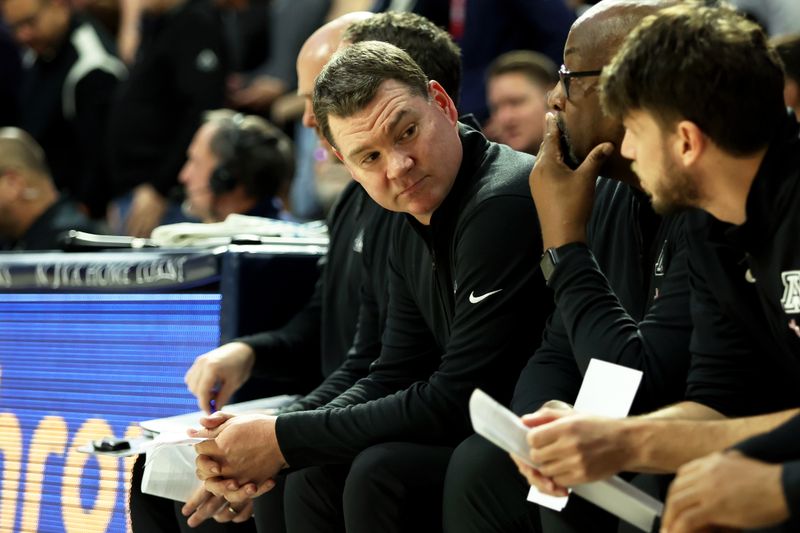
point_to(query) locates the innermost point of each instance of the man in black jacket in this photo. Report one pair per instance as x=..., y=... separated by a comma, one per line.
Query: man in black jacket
x=351, y=289
x=179, y=73
x=740, y=164
x=725, y=145
x=68, y=78
x=464, y=306
x=620, y=280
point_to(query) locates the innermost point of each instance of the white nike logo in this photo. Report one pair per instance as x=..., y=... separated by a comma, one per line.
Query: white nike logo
x=475, y=299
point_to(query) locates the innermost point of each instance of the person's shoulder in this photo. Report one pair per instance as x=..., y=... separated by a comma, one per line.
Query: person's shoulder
x=505, y=171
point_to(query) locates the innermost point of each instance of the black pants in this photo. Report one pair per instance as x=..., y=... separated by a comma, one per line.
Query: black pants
x=390, y=487
x=484, y=492
x=153, y=514
x=268, y=509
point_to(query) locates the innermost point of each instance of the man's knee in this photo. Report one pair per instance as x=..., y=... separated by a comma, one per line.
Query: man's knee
x=312, y=499
x=474, y=466
x=373, y=468
x=484, y=492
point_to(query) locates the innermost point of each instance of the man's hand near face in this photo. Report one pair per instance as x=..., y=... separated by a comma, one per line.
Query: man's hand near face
x=242, y=459
x=563, y=196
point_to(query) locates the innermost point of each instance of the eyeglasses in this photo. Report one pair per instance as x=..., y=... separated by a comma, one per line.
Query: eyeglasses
x=565, y=75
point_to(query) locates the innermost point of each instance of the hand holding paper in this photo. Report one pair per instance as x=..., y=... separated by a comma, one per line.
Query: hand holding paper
x=578, y=449
x=607, y=390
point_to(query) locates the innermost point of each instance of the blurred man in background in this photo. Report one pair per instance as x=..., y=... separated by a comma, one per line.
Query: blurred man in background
x=33, y=215
x=179, y=72
x=516, y=90
x=69, y=75
x=236, y=164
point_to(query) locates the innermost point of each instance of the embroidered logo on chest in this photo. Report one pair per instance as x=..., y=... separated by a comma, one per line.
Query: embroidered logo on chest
x=791, y=291
x=358, y=242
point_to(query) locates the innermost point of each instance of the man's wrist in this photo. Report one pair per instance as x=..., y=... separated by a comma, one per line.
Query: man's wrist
x=552, y=239
x=553, y=257
x=635, y=435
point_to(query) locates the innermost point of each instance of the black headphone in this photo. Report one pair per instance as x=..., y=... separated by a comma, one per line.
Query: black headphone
x=254, y=157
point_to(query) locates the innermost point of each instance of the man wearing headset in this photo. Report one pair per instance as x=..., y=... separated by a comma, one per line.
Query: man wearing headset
x=235, y=164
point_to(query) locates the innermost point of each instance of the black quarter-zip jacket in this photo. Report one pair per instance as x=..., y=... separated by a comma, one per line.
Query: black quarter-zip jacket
x=466, y=309
x=624, y=298
x=747, y=280
x=746, y=293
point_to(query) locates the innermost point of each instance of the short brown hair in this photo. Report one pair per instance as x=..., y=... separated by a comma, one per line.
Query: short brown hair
x=350, y=80
x=430, y=46
x=535, y=66
x=707, y=65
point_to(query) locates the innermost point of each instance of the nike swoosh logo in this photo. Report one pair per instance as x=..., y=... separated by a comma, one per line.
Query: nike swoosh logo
x=475, y=299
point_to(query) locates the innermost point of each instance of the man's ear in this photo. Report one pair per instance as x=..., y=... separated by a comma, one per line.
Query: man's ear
x=442, y=100
x=690, y=142
x=344, y=163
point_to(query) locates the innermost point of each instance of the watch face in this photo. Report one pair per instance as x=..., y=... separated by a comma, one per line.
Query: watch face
x=548, y=263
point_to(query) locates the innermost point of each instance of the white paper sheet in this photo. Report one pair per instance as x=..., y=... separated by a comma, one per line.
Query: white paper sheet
x=169, y=470
x=607, y=390
x=174, y=424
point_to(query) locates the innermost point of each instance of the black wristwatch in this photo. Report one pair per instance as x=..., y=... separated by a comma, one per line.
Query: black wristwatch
x=548, y=263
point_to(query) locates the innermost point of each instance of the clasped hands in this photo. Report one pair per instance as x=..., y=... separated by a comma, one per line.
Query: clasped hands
x=241, y=459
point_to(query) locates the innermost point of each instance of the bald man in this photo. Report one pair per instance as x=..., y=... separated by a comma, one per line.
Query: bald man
x=619, y=275
x=33, y=215
x=316, y=51
x=320, y=177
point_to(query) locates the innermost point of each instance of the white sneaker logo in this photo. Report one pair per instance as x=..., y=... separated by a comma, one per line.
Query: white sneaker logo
x=475, y=299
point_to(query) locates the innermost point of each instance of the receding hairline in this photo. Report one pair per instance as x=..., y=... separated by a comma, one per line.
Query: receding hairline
x=608, y=22
x=323, y=43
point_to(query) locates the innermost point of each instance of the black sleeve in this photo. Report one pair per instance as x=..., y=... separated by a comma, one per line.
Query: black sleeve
x=791, y=490
x=418, y=390
x=198, y=61
x=777, y=446
x=366, y=348
x=286, y=351
x=726, y=372
x=598, y=326
x=92, y=103
x=551, y=374
x=781, y=445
